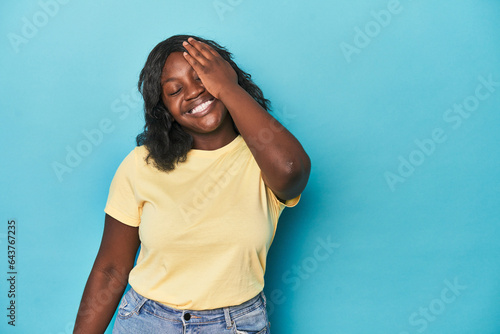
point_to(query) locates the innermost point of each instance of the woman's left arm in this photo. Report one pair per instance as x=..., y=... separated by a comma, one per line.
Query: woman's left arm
x=284, y=164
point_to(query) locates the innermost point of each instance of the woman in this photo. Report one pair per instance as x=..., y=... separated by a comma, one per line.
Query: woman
x=201, y=193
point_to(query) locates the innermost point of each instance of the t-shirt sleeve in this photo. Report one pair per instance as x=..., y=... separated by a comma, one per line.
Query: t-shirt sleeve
x=122, y=201
x=276, y=207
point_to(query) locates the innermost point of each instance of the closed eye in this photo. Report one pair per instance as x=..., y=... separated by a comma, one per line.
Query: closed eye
x=175, y=93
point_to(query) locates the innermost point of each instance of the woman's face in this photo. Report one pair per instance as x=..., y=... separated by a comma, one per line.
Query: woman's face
x=185, y=97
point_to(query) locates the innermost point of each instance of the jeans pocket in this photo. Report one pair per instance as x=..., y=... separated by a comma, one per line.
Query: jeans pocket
x=253, y=322
x=131, y=304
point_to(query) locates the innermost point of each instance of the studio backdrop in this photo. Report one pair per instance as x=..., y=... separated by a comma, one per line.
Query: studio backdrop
x=397, y=104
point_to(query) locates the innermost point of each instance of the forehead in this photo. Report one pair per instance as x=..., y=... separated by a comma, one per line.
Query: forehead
x=175, y=67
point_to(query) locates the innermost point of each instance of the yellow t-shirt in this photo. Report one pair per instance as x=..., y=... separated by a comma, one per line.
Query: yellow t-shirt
x=205, y=227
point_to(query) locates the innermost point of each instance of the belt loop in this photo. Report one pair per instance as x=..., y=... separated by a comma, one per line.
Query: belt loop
x=140, y=300
x=264, y=298
x=227, y=317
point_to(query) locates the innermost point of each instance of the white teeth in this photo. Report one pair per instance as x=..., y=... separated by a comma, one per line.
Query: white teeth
x=201, y=107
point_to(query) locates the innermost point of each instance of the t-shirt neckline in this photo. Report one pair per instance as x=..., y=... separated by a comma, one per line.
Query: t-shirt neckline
x=217, y=152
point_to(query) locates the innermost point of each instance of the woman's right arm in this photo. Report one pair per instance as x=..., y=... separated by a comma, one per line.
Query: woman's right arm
x=108, y=278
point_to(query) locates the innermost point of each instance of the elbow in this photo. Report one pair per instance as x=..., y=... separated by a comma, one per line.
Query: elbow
x=297, y=171
x=294, y=177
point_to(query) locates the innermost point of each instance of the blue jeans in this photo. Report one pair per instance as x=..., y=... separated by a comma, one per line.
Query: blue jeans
x=138, y=314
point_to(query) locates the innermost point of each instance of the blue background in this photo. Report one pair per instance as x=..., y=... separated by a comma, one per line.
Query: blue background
x=358, y=115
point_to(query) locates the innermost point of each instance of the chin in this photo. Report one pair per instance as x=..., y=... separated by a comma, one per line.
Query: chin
x=219, y=123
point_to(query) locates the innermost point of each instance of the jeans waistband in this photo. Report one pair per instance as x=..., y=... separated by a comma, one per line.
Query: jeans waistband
x=196, y=316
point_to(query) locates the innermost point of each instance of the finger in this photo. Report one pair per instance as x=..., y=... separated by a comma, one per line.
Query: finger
x=195, y=64
x=204, y=48
x=211, y=49
x=194, y=53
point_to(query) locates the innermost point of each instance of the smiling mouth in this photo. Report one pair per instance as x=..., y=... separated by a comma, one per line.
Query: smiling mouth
x=202, y=108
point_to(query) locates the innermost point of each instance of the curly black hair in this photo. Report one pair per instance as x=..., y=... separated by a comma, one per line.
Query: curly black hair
x=166, y=141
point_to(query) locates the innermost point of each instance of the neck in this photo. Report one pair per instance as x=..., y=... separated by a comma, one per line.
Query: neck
x=216, y=139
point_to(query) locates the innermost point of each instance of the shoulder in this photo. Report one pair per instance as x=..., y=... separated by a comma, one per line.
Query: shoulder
x=130, y=161
x=139, y=155
x=140, y=151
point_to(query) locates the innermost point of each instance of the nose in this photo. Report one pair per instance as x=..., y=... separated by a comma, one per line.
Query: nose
x=193, y=89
